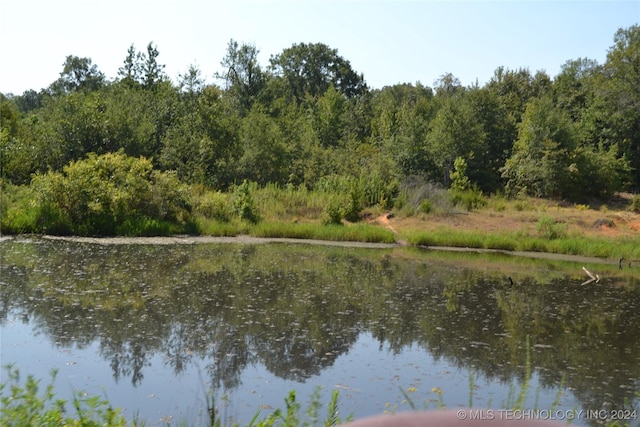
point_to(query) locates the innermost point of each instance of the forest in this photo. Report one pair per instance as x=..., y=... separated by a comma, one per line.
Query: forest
x=308, y=117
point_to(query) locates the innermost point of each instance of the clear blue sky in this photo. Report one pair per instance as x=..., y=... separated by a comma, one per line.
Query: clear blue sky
x=388, y=41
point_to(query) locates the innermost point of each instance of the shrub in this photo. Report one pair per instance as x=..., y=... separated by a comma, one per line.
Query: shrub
x=102, y=194
x=469, y=199
x=549, y=228
x=214, y=205
x=243, y=204
x=352, y=206
x=18, y=214
x=425, y=206
x=332, y=213
x=348, y=192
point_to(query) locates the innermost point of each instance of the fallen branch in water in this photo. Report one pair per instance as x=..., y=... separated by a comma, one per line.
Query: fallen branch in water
x=593, y=278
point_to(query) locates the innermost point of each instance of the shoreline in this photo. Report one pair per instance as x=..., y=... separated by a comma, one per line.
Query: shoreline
x=251, y=240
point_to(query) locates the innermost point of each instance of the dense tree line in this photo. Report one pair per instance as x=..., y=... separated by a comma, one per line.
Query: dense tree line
x=308, y=115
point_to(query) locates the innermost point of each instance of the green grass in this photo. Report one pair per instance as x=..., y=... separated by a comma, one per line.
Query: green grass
x=355, y=232
x=518, y=241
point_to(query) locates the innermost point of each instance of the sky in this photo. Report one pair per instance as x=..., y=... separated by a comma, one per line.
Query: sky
x=389, y=41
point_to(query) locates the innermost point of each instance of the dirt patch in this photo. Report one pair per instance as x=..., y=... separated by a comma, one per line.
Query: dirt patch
x=634, y=226
x=589, y=222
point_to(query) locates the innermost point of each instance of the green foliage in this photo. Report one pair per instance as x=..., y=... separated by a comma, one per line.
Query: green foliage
x=264, y=157
x=110, y=194
x=213, y=205
x=615, y=115
x=17, y=215
x=542, y=163
x=243, y=75
x=243, y=204
x=469, y=199
x=351, y=194
x=549, y=228
x=455, y=132
x=635, y=203
x=309, y=69
x=574, y=138
x=425, y=206
x=459, y=179
x=26, y=404
x=333, y=211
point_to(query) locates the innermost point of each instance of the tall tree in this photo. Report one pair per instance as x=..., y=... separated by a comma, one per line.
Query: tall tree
x=401, y=117
x=244, y=78
x=327, y=117
x=152, y=71
x=309, y=69
x=543, y=162
x=78, y=74
x=621, y=93
x=142, y=68
x=264, y=158
x=201, y=143
x=455, y=132
x=192, y=82
x=493, y=118
x=448, y=85
x=131, y=71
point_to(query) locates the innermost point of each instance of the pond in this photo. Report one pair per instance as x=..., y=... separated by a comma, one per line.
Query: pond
x=160, y=330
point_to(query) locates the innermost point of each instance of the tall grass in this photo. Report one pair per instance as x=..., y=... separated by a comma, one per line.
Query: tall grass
x=355, y=232
x=518, y=241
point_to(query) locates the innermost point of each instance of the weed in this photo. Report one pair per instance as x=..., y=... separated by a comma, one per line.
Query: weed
x=548, y=228
x=469, y=199
x=27, y=405
x=425, y=206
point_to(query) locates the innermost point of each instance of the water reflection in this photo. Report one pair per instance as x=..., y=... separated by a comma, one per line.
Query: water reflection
x=295, y=309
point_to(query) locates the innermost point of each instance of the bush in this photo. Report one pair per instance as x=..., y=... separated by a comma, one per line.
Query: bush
x=104, y=195
x=214, y=205
x=469, y=199
x=425, y=206
x=243, y=204
x=549, y=228
x=349, y=193
x=332, y=213
x=17, y=213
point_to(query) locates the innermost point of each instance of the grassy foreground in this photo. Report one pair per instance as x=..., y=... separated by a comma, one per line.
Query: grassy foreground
x=25, y=403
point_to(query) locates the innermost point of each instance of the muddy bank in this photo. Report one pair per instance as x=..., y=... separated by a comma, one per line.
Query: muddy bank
x=191, y=240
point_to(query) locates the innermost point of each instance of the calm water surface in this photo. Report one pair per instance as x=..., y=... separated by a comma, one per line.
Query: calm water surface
x=158, y=328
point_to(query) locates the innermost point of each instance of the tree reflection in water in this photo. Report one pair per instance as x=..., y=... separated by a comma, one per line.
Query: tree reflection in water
x=297, y=308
